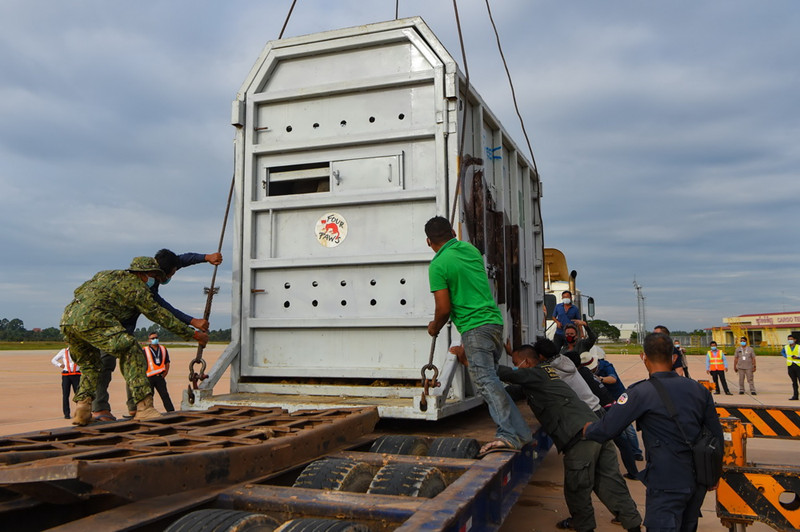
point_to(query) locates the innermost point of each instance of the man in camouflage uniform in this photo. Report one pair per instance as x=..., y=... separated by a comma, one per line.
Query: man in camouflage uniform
x=93, y=323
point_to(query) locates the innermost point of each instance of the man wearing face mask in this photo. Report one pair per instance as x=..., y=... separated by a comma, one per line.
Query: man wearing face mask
x=681, y=361
x=744, y=363
x=792, y=355
x=716, y=366
x=169, y=263
x=157, y=368
x=564, y=314
x=571, y=341
x=93, y=323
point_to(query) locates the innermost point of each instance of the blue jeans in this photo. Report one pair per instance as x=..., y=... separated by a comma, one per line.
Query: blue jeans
x=483, y=346
x=630, y=433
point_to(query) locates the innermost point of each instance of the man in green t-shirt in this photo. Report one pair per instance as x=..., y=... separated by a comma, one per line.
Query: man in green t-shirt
x=461, y=292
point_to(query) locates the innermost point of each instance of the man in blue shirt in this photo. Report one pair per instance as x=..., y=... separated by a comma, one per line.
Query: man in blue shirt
x=564, y=314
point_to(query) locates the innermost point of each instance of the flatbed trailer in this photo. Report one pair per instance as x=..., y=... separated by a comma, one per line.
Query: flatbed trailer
x=128, y=475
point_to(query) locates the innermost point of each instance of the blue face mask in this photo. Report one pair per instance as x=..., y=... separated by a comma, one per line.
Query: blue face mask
x=166, y=281
x=151, y=282
x=154, y=341
x=713, y=348
x=743, y=344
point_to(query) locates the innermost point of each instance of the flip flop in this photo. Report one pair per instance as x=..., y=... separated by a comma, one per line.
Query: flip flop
x=496, y=446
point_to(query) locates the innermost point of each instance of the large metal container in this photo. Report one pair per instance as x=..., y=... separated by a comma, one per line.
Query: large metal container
x=347, y=142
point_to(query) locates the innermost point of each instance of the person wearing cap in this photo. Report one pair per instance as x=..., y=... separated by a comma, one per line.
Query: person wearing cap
x=588, y=466
x=93, y=323
x=169, y=263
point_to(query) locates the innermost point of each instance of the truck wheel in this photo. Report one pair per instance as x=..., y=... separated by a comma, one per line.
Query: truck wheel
x=311, y=524
x=410, y=480
x=215, y=520
x=454, y=448
x=400, y=444
x=336, y=474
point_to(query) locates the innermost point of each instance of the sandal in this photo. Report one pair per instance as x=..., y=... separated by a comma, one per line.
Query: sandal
x=102, y=416
x=496, y=446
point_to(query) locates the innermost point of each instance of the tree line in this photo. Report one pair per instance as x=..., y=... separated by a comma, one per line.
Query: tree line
x=14, y=331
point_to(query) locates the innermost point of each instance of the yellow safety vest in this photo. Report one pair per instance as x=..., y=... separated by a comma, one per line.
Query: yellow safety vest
x=792, y=354
x=715, y=362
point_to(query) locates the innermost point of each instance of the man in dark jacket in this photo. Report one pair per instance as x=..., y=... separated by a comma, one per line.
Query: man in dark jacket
x=588, y=466
x=673, y=496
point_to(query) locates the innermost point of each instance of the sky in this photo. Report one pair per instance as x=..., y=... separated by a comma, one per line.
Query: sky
x=665, y=134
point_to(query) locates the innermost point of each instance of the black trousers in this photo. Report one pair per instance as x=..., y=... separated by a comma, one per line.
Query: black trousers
x=159, y=384
x=794, y=374
x=67, y=382
x=719, y=375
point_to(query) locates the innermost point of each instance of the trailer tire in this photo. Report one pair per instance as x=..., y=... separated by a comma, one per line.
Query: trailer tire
x=454, y=448
x=400, y=444
x=410, y=480
x=313, y=524
x=336, y=474
x=215, y=520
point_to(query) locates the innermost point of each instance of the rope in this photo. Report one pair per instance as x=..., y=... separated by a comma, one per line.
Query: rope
x=511, y=84
x=288, y=15
x=194, y=376
x=461, y=166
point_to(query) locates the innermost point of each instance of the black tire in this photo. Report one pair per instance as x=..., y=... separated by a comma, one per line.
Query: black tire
x=400, y=444
x=336, y=474
x=410, y=480
x=311, y=524
x=454, y=448
x=215, y=520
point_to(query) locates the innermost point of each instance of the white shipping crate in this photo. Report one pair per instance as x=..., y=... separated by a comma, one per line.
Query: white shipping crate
x=346, y=144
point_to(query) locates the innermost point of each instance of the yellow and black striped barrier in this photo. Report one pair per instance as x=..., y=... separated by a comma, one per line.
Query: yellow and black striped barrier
x=768, y=421
x=750, y=492
x=770, y=495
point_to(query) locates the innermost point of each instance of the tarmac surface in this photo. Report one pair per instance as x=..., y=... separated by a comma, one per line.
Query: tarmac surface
x=31, y=399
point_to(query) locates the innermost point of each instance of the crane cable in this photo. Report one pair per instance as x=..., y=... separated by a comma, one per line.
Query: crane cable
x=462, y=166
x=198, y=376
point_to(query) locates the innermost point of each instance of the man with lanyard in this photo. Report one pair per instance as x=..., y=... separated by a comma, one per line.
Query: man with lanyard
x=716, y=366
x=461, y=292
x=157, y=369
x=792, y=355
x=565, y=314
x=744, y=363
x=70, y=377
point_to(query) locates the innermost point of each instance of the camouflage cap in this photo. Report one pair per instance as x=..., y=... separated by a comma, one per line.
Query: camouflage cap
x=145, y=264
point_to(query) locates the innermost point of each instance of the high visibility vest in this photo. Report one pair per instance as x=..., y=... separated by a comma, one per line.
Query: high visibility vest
x=155, y=363
x=792, y=354
x=70, y=367
x=715, y=362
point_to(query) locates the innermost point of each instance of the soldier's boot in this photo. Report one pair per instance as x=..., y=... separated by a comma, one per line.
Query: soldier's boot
x=145, y=409
x=83, y=413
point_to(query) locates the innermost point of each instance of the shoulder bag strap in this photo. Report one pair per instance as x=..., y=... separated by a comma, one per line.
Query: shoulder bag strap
x=670, y=406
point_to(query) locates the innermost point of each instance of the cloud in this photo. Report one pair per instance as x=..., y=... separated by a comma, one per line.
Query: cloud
x=664, y=134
